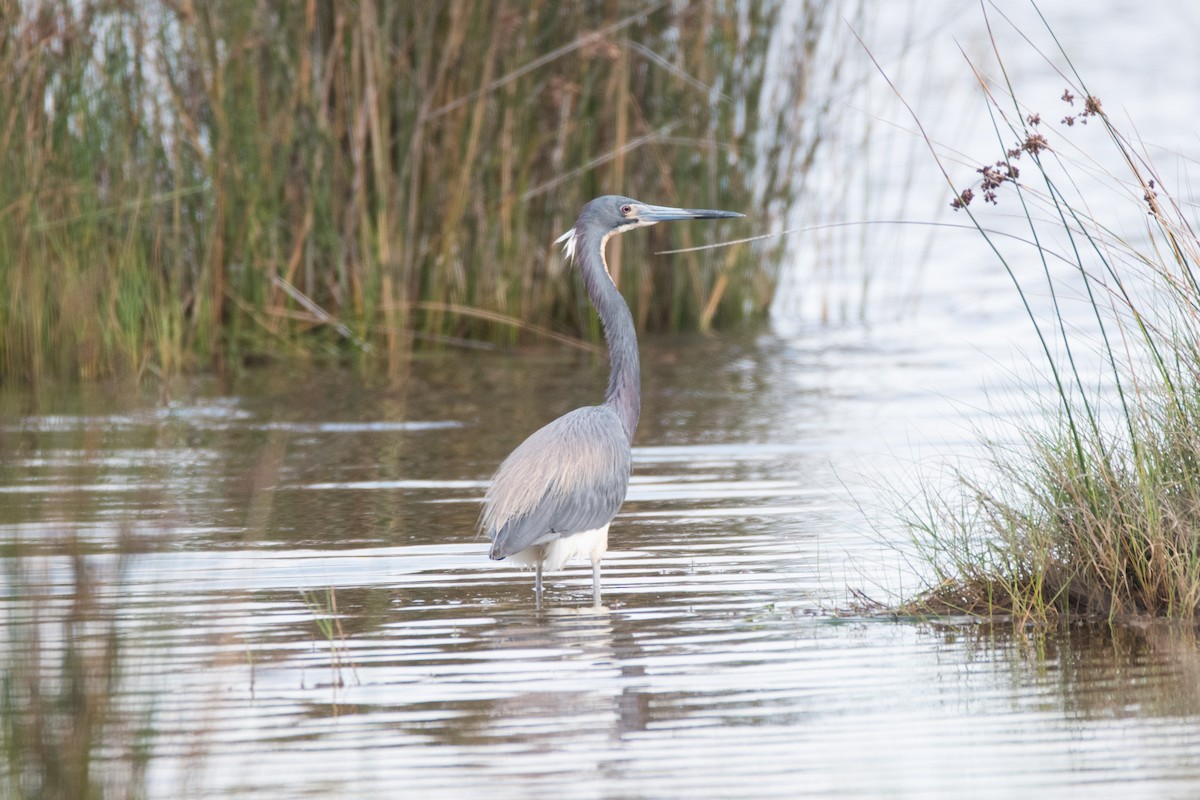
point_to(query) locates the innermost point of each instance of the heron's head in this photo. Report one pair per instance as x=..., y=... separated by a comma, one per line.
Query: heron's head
x=612, y=214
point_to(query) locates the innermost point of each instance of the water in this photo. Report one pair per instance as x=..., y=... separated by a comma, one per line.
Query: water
x=221, y=529
x=271, y=587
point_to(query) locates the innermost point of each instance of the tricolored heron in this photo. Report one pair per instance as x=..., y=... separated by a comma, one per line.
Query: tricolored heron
x=553, y=498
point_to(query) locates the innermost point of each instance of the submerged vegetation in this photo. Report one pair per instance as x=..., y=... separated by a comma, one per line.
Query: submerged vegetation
x=1098, y=515
x=191, y=185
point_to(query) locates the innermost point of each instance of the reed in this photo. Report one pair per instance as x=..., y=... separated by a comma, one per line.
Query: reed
x=1096, y=516
x=192, y=185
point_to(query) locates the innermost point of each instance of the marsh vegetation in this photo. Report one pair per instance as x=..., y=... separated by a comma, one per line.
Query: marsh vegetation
x=1096, y=512
x=186, y=186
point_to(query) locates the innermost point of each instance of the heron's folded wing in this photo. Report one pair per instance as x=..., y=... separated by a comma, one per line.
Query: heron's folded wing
x=568, y=477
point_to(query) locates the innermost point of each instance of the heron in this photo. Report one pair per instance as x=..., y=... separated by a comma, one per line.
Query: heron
x=553, y=498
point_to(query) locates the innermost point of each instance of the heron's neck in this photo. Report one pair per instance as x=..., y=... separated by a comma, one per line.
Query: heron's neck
x=624, y=391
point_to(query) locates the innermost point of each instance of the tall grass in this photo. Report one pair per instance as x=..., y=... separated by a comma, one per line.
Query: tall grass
x=1099, y=514
x=194, y=184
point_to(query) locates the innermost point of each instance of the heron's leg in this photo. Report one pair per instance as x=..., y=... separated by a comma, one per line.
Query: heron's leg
x=596, y=582
x=537, y=579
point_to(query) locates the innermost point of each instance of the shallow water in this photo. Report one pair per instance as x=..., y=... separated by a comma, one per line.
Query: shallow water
x=271, y=587
x=301, y=609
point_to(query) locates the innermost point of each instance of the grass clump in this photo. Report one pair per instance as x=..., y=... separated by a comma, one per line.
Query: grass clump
x=1112, y=535
x=1097, y=512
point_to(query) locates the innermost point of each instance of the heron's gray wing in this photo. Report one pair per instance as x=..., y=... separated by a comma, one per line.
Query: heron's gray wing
x=568, y=477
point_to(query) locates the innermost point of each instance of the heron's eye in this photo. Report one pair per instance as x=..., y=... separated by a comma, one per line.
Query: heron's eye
x=627, y=210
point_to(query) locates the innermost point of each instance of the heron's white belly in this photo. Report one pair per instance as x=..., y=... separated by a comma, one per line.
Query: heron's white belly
x=588, y=544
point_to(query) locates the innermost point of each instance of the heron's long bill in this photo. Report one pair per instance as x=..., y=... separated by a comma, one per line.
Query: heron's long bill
x=666, y=213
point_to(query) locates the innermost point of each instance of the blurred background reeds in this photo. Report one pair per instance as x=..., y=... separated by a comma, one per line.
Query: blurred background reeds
x=202, y=185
